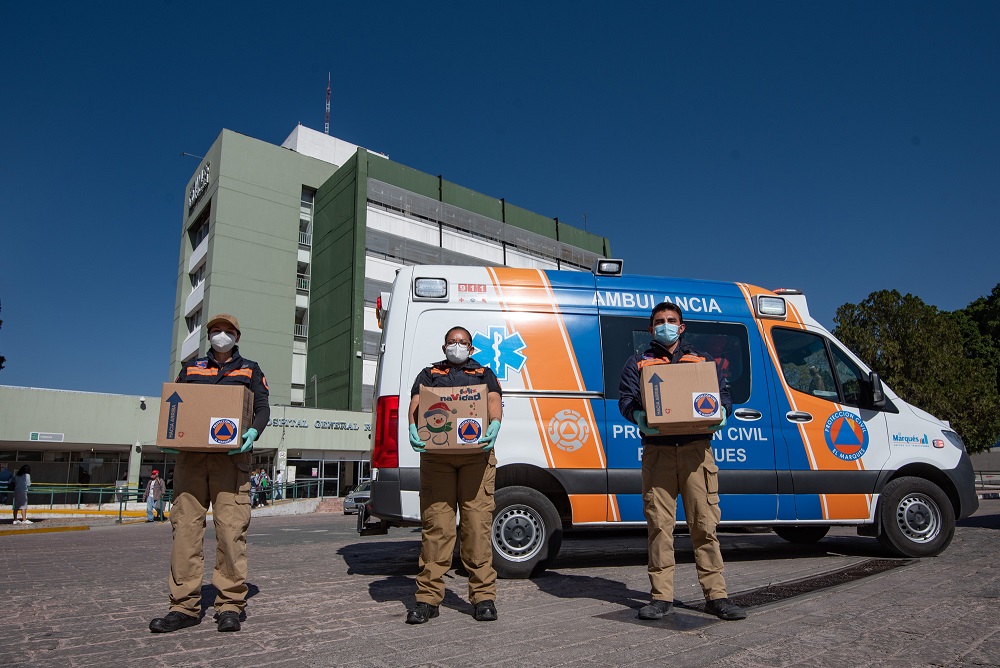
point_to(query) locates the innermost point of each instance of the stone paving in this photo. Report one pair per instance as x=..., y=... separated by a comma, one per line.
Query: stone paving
x=322, y=596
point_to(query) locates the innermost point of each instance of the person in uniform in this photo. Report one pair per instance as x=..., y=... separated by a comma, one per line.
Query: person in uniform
x=456, y=481
x=216, y=478
x=673, y=465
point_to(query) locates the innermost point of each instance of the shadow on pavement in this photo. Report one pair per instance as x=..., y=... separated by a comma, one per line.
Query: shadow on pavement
x=403, y=589
x=209, y=592
x=381, y=557
x=981, y=522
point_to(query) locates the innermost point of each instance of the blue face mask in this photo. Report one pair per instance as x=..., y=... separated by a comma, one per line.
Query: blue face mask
x=666, y=333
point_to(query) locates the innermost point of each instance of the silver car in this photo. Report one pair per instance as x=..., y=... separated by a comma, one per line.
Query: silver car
x=357, y=497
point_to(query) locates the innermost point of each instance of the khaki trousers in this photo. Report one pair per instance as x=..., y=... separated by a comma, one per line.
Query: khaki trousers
x=200, y=479
x=447, y=482
x=688, y=470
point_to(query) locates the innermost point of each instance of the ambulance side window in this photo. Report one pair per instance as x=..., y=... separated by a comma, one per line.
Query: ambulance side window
x=850, y=377
x=728, y=343
x=805, y=364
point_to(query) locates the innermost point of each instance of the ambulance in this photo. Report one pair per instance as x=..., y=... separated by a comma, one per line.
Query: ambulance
x=815, y=439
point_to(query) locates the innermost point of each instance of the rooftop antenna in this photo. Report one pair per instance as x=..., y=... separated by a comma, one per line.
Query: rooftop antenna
x=326, y=124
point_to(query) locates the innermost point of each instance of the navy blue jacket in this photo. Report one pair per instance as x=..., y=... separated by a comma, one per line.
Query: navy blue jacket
x=237, y=371
x=630, y=397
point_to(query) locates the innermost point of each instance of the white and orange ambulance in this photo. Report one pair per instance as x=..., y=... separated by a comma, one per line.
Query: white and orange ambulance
x=815, y=438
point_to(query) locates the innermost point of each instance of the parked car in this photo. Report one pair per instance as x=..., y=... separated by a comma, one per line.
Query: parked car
x=357, y=497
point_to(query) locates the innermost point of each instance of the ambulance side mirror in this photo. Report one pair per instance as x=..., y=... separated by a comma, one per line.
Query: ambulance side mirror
x=878, y=394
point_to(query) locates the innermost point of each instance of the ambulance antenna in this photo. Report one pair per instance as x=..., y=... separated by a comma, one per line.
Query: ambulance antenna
x=326, y=123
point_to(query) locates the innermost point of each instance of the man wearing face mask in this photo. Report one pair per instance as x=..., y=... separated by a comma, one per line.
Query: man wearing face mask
x=216, y=478
x=450, y=481
x=673, y=465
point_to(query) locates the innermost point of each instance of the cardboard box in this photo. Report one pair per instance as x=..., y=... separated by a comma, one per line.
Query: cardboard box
x=681, y=399
x=452, y=419
x=203, y=417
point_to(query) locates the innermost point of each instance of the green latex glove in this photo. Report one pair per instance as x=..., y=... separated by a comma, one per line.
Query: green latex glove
x=491, y=434
x=415, y=442
x=248, y=439
x=640, y=421
x=721, y=424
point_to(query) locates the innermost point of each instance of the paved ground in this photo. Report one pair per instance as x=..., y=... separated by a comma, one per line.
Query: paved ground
x=322, y=596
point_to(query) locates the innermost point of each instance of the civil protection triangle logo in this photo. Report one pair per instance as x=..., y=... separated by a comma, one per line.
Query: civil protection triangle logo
x=846, y=436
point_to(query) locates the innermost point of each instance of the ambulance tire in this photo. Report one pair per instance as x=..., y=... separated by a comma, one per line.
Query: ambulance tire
x=526, y=532
x=916, y=518
x=802, y=535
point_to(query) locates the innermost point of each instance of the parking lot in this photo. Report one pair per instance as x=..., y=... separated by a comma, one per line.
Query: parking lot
x=322, y=596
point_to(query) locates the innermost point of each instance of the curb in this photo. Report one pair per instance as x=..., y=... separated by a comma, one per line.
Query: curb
x=14, y=532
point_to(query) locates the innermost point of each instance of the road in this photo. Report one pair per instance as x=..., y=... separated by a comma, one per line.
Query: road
x=322, y=596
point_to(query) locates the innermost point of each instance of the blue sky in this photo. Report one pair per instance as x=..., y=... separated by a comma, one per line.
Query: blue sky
x=836, y=147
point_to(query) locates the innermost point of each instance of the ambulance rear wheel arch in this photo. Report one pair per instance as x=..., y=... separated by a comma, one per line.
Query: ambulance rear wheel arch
x=527, y=475
x=916, y=518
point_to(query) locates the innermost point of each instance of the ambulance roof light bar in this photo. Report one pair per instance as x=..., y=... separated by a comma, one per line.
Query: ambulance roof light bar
x=608, y=267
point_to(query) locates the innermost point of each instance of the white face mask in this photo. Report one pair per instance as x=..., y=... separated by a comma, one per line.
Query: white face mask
x=222, y=342
x=456, y=353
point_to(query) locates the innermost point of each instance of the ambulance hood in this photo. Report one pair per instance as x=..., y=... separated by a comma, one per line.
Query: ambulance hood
x=924, y=415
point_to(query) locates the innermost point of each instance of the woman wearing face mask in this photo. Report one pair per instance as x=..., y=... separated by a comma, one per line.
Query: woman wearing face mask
x=677, y=465
x=218, y=478
x=451, y=481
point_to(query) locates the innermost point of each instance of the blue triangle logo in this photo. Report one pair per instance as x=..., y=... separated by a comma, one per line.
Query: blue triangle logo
x=706, y=406
x=846, y=435
x=224, y=433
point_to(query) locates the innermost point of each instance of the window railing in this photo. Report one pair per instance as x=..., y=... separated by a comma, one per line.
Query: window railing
x=302, y=330
x=302, y=282
x=305, y=238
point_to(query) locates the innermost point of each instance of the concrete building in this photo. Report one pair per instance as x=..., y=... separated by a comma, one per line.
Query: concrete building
x=299, y=240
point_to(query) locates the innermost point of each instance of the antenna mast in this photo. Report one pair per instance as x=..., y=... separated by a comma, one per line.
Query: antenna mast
x=326, y=124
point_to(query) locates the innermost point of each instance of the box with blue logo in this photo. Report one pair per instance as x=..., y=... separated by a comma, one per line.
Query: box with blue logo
x=204, y=417
x=452, y=419
x=681, y=399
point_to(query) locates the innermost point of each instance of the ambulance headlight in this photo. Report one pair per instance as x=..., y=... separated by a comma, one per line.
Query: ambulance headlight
x=430, y=288
x=954, y=439
x=771, y=307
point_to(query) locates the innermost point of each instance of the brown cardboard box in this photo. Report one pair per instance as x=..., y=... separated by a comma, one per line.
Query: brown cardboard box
x=204, y=418
x=452, y=419
x=681, y=398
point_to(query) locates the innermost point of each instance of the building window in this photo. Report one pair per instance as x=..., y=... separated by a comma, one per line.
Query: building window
x=193, y=321
x=198, y=277
x=199, y=230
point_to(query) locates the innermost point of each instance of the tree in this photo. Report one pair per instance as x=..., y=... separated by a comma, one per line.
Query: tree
x=980, y=323
x=920, y=353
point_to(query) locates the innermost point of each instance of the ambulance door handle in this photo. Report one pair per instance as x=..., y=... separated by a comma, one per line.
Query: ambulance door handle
x=798, y=416
x=747, y=414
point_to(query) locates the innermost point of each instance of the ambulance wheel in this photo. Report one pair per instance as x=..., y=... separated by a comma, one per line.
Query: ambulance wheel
x=803, y=535
x=917, y=519
x=526, y=532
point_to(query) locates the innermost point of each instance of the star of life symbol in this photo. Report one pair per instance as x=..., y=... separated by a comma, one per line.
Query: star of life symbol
x=499, y=351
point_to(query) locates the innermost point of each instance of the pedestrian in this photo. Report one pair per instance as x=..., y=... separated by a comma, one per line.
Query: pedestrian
x=672, y=465
x=255, y=488
x=265, y=487
x=279, y=482
x=221, y=480
x=22, y=481
x=454, y=481
x=6, y=483
x=153, y=496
